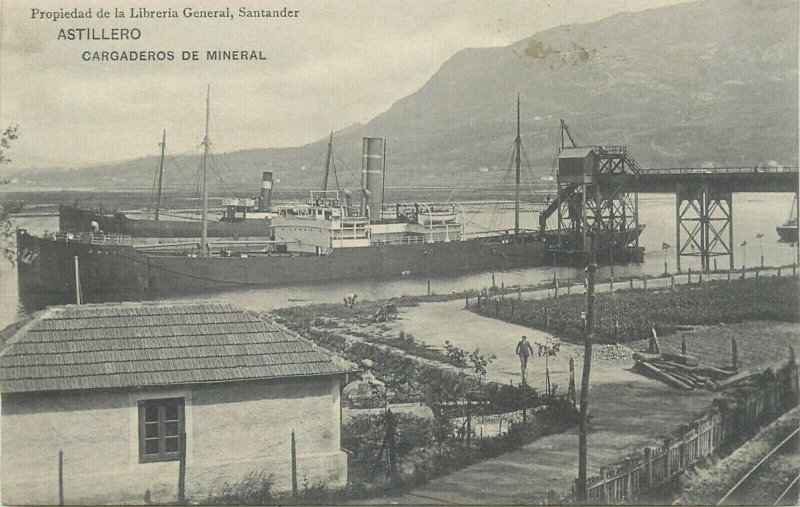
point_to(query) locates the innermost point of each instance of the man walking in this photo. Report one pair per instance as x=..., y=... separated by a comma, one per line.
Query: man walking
x=524, y=351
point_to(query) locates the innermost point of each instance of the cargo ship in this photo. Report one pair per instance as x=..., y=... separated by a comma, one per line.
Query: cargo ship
x=327, y=237
x=239, y=217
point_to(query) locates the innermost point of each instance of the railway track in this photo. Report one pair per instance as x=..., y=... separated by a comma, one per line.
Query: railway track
x=774, y=480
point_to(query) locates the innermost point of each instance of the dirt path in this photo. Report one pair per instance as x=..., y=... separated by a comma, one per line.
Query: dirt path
x=627, y=412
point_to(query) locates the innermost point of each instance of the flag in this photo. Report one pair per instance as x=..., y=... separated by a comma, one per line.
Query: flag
x=665, y=246
x=744, y=243
x=759, y=235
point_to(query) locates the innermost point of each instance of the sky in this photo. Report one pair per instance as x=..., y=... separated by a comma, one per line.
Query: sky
x=335, y=64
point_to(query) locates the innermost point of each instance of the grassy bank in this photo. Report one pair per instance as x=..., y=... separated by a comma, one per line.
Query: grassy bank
x=628, y=315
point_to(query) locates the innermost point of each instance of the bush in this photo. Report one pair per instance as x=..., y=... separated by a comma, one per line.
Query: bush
x=254, y=489
x=628, y=315
x=364, y=434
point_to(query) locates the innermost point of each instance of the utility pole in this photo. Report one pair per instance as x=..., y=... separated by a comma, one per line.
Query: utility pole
x=587, y=364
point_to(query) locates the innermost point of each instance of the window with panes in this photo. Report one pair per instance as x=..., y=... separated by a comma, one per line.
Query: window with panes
x=160, y=429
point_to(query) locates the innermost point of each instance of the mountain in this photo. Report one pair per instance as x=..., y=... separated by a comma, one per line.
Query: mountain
x=713, y=81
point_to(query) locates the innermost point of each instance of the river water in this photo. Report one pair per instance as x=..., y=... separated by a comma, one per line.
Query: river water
x=753, y=214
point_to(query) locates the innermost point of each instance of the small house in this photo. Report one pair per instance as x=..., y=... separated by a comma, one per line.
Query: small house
x=119, y=403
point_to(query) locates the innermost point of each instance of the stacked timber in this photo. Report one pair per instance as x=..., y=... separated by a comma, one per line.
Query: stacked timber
x=681, y=371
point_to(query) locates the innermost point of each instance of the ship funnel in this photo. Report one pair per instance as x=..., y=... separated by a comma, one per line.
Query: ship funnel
x=348, y=198
x=372, y=166
x=265, y=201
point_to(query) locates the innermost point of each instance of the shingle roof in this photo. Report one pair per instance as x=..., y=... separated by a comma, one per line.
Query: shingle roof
x=147, y=344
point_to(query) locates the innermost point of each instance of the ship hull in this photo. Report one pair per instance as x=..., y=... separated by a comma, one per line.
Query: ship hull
x=114, y=272
x=788, y=232
x=72, y=219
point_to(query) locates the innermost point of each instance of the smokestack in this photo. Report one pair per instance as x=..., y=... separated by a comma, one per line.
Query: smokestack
x=372, y=166
x=265, y=201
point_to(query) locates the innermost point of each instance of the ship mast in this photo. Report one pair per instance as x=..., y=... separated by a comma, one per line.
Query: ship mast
x=328, y=163
x=517, y=150
x=160, y=173
x=204, y=217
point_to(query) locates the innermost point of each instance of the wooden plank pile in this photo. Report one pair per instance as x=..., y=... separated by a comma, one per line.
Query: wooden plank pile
x=681, y=371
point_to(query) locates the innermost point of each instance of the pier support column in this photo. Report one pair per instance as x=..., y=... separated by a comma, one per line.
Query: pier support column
x=705, y=216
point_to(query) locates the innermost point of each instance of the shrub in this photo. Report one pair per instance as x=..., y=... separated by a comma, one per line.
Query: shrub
x=254, y=489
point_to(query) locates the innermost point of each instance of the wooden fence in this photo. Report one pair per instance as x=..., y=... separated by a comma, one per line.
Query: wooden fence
x=735, y=417
x=609, y=285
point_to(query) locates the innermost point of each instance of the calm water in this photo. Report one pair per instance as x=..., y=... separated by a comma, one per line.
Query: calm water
x=753, y=214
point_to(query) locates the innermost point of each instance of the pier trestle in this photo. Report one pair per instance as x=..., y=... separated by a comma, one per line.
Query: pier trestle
x=704, y=223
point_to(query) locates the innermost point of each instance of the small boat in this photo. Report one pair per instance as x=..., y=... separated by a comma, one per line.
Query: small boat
x=788, y=231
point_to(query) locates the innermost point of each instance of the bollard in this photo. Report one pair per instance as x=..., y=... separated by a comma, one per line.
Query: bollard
x=701, y=278
x=729, y=275
x=683, y=344
x=631, y=280
x=779, y=272
x=645, y=282
x=689, y=282
x=672, y=282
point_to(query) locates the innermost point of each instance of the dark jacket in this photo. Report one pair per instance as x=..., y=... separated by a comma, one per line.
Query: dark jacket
x=524, y=348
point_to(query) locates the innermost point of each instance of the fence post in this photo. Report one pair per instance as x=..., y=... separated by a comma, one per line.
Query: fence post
x=60, y=477
x=469, y=430
x=689, y=281
x=631, y=281
x=645, y=282
x=672, y=282
x=182, y=469
x=392, y=454
x=648, y=468
x=729, y=275
x=734, y=354
x=628, y=480
x=668, y=465
x=701, y=277
x=294, y=465
x=606, y=494
x=683, y=344
x=779, y=272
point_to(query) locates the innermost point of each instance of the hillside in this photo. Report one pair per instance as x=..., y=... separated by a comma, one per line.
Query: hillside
x=714, y=81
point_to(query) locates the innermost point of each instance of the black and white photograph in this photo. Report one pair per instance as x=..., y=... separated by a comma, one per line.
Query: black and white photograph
x=407, y=252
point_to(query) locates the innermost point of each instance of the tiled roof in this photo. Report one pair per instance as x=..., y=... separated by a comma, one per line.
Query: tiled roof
x=148, y=344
